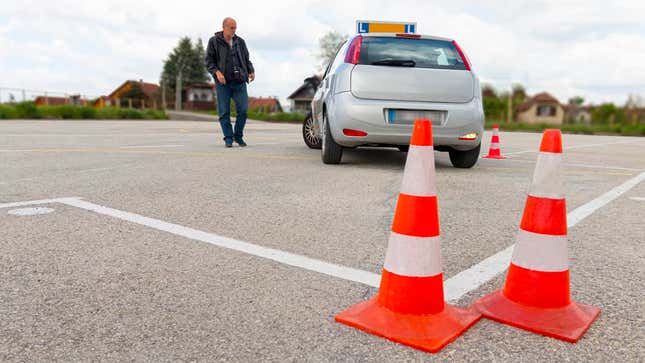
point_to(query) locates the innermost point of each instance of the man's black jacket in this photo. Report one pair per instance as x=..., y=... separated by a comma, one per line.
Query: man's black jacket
x=217, y=55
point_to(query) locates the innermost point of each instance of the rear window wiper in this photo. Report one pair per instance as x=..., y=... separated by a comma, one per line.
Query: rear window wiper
x=395, y=62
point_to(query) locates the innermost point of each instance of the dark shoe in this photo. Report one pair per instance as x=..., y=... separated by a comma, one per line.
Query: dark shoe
x=240, y=142
x=228, y=143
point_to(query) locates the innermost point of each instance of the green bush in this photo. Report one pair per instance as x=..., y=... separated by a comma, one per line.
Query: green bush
x=7, y=112
x=107, y=113
x=155, y=115
x=88, y=113
x=274, y=117
x=28, y=110
x=68, y=112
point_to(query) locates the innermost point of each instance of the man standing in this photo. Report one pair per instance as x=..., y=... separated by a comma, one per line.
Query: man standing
x=227, y=60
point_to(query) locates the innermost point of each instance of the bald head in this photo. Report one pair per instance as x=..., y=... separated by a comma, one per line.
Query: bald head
x=228, y=27
x=227, y=21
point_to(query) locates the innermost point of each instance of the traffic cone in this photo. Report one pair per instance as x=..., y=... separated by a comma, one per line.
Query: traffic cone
x=409, y=307
x=494, y=152
x=535, y=296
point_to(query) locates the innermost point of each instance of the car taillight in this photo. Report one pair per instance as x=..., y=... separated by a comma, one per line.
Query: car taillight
x=354, y=50
x=462, y=55
x=350, y=132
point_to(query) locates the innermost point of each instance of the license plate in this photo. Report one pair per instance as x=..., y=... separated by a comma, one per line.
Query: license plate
x=407, y=117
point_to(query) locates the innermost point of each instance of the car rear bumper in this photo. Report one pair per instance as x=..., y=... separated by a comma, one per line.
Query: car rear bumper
x=349, y=112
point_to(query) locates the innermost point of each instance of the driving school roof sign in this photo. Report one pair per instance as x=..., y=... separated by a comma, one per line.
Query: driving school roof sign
x=367, y=26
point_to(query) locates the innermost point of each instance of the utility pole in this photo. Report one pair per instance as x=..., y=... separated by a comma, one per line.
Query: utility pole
x=24, y=97
x=178, y=90
x=163, y=94
x=509, y=112
x=178, y=83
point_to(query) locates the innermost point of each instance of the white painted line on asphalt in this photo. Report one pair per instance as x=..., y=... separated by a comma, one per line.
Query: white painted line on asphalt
x=148, y=146
x=584, y=211
x=574, y=147
x=638, y=199
x=347, y=273
x=565, y=164
x=454, y=287
x=472, y=278
x=601, y=167
x=50, y=176
x=28, y=212
x=32, y=202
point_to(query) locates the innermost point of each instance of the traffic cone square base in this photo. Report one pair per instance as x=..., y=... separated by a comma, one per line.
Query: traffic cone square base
x=494, y=157
x=568, y=323
x=428, y=332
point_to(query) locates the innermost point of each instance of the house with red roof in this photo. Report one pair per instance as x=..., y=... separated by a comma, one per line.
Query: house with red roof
x=264, y=104
x=301, y=98
x=137, y=94
x=76, y=100
x=541, y=108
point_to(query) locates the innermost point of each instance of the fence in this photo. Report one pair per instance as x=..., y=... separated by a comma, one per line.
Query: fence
x=56, y=98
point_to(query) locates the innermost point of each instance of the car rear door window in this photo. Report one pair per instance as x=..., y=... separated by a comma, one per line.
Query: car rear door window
x=410, y=52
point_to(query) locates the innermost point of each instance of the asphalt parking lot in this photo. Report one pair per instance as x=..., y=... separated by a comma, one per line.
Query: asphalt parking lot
x=164, y=246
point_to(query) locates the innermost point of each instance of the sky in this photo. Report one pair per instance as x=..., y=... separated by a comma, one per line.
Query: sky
x=593, y=49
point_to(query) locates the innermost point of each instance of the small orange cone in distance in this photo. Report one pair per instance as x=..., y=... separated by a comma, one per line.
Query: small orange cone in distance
x=494, y=152
x=535, y=296
x=410, y=307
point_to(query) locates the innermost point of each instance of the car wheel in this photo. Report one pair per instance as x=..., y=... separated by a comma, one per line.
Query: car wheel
x=464, y=159
x=403, y=148
x=331, y=151
x=309, y=133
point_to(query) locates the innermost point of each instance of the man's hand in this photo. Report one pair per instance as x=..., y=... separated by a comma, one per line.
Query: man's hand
x=251, y=77
x=220, y=77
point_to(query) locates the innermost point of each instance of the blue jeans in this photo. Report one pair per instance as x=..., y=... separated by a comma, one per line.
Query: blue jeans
x=237, y=92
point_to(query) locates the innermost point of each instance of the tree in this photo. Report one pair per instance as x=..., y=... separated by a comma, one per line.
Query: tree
x=190, y=60
x=635, y=101
x=329, y=44
x=518, y=98
x=607, y=113
x=494, y=108
x=576, y=100
x=488, y=90
x=519, y=93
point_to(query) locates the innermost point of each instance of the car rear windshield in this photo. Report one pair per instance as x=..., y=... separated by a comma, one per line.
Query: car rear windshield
x=410, y=52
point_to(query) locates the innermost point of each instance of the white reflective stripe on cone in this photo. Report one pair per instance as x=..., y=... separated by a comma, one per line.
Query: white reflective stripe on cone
x=418, y=175
x=494, y=145
x=541, y=252
x=413, y=256
x=547, y=178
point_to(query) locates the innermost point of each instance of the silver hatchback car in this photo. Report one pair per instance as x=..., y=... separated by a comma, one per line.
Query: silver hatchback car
x=379, y=83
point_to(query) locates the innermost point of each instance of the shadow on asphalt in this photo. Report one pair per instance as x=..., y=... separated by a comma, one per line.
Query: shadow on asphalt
x=384, y=158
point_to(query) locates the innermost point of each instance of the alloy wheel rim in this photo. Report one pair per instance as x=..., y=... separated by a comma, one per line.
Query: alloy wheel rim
x=309, y=132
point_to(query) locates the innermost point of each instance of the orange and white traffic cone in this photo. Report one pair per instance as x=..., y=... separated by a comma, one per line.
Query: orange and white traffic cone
x=494, y=152
x=535, y=296
x=410, y=307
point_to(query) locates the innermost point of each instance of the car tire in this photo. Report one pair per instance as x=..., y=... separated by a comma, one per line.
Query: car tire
x=464, y=159
x=404, y=148
x=331, y=152
x=312, y=140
